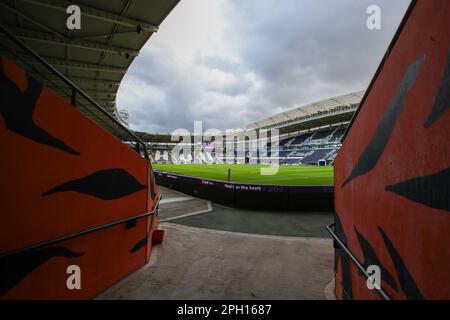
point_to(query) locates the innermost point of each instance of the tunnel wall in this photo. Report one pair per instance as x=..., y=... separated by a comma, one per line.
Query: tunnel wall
x=392, y=192
x=249, y=196
x=61, y=173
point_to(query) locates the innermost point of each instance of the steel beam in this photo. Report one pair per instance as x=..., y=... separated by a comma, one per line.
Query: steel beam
x=92, y=93
x=38, y=36
x=34, y=21
x=71, y=64
x=61, y=5
x=91, y=82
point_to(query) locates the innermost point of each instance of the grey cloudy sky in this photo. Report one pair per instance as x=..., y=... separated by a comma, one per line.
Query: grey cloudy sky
x=232, y=62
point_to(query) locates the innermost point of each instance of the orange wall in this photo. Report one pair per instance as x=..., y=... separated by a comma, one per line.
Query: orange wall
x=49, y=145
x=391, y=175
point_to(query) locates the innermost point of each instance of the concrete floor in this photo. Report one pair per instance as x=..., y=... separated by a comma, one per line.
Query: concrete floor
x=196, y=263
x=213, y=252
x=178, y=208
x=169, y=194
x=294, y=224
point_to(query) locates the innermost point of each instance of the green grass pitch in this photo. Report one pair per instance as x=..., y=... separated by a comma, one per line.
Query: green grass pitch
x=296, y=175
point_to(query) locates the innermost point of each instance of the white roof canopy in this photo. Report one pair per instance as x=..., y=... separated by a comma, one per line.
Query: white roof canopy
x=308, y=110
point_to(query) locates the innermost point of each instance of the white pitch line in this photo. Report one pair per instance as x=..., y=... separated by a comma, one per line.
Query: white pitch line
x=177, y=199
x=188, y=214
x=244, y=234
x=280, y=178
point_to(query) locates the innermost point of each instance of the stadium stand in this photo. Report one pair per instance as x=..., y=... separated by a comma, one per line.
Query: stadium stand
x=317, y=155
x=308, y=134
x=321, y=135
x=337, y=135
x=306, y=148
x=309, y=148
x=300, y=139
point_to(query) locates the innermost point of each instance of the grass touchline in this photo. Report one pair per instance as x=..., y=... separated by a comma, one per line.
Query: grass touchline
x=250, y=173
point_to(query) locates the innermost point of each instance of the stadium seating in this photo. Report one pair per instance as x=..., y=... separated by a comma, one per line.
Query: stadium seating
x=309, y=148
x=290, y=161
x=300, y=139
x=337, y=135
x=317, y=155
x=321, y=135
x=305, y=148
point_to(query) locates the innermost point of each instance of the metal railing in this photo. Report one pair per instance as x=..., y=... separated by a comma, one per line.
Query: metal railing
x=81, y=233
x=360, y=267
x=72, y=91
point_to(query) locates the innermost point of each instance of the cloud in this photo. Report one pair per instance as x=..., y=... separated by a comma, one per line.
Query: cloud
x=232, y=62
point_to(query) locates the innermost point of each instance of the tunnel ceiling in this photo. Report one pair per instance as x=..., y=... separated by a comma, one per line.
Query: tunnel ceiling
x=97, y=56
